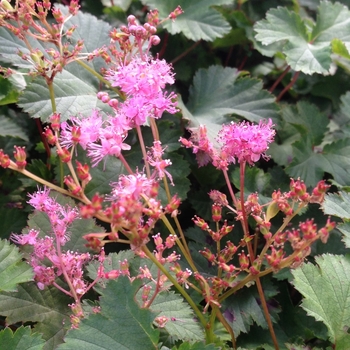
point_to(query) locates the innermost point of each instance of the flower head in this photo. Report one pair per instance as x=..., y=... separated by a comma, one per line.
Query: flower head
x=246, y=142
x=142, y=77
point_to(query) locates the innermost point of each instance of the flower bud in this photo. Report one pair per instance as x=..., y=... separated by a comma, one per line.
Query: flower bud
x=55, y=120
x=20, y=156
x=243, y=260
x=4, y=159
x=72, y=186
x=200, y=223
x=64, y=155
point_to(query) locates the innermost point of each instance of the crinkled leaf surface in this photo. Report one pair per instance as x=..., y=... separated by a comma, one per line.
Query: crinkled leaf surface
x=10, y=128
x=310, y=165
x=338, y=204
x=308, y=120
x=75, y=88
x=48, y=307
x=22, y=339
x=243, y=311
x=326, y=291
x=196, y=346
x=306, y=50
x=199, y=20
x=219, y=91
x=13, y=269
x=121, y=325
x=345, y=230
x=181, y=324
x=299, y=122
x=73, y=95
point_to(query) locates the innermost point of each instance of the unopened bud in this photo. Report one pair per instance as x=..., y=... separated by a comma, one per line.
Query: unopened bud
x=6, y=5
x=20, y=156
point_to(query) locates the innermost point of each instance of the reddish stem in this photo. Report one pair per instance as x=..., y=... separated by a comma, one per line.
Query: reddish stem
x=43, y=139
x=279, y=79
x=244, y=222
x=185, y=52
x=165, y=43
x=292, y=82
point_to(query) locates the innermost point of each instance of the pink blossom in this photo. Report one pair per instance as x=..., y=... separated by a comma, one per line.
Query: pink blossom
x=154, y=158
x=245, y=141
x=44, y=248
x=143, y=81
x=142, y=77
x=44, y=276
x=111, y=143
x=42, y=201
x=201, y=145
x=132, y=185
x=89, y=128
x=30, y=238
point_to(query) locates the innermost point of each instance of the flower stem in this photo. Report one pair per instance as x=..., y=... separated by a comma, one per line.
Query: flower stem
x=143, y=149
x=244, y=222
x=180, y=289
x=292, y=82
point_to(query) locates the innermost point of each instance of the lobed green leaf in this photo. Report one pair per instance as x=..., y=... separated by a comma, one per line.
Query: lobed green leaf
x=308, y=51
x=199, y=20
x=121, y=324
x=12, y=269
x=48, y=307
x=21, y=339
x=325, y=288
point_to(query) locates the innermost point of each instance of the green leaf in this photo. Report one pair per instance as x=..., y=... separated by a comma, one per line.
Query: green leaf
x=22, y=339
x=280, y=24
x=196, y=346
x=310, y=166
x=243, y=310
x=181, y=321
x=74, y=95
x=345, y=230
x=8, y=94
x=11, y=220
x=12, y=269
x=306, y=51
x=339, y=48
x=309, y=121
x=10, y=128
x=337, y=204
x=48, y=307
x=120, y=325
x=199, y=20
x=325, y=288
x=75, y=88
x=219, y=91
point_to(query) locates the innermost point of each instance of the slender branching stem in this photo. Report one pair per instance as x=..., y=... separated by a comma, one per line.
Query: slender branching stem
x=180, y=289
x=244, y=222
x=292, y=82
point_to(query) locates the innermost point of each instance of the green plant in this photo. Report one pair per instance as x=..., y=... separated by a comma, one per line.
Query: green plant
x=165, y=217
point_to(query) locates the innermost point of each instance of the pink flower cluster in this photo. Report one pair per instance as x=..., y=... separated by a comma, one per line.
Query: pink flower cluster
x=246, y=142
x=241, y=142
x=143, y=81
x=48, y=248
